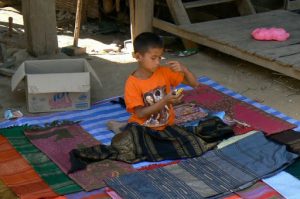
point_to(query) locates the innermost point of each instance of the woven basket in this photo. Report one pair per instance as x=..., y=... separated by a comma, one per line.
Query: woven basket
x=70, y=6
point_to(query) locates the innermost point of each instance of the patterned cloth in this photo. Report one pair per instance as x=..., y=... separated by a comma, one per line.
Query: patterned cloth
x=139, y=143
x=188, y=112
x=234, y=139
x=259, y=190
x=96, y=194
x=213, y=100
x=294, y=169
x=285, y=184
x=19, y=176
x=290, y=138
x=56, y=142
x=47, y=169
x=214, y=174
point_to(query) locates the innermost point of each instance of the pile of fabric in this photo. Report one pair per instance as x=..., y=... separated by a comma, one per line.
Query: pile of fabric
x=225, y=146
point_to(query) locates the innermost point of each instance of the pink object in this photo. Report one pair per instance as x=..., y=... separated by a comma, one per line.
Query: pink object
x=112, y=193
x=277, y=34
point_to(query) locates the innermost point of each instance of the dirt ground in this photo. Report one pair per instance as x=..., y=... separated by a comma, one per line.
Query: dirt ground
x=265, y=86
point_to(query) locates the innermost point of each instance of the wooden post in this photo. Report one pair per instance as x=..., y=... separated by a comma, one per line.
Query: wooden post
x=292, y=4
x=77, y=23
x=245, y=7
x=40, y=26
x=118, y=5
x=141, y=15
x=10, y=25
x=180, y=17
x=108, y=6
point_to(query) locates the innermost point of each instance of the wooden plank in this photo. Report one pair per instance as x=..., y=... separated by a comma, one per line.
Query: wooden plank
x=245, y=7
x=180, y=16
x=233, y=27
x=40, y=26
x=282, y=51
x=178, y=12
x=197, y=37
x=296, y=66
x=258, y=46
x=292, y=4
x=132, y=19
x=290, y=59
x=236, y=32
x=141, y=15
x=201, y=3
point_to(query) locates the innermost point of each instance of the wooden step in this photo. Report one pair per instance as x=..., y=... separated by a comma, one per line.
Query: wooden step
x=292, y=4
x=201, y=3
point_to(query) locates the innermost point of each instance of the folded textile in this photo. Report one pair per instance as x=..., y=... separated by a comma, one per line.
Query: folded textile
x=285, y=184
x=214, y=100
x=56, y=142
x=19, y=176
x=234, y=139
x=139, y=143
x=96, y=194
x=290, y=138
x=48, y=170
x=215, y=173
x=259, y=190
x=188, y=112
x=294, y=169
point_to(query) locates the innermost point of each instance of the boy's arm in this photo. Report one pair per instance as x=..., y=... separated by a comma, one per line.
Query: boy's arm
x=189, y=77
x=147, y=111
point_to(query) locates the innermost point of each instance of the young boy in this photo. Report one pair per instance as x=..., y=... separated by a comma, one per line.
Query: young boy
x=149, y=94
x=150, y=134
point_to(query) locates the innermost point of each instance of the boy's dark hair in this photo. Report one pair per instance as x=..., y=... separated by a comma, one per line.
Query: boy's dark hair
x=146, y=40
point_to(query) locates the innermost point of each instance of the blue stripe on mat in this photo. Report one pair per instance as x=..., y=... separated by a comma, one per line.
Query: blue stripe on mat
x=94, y=119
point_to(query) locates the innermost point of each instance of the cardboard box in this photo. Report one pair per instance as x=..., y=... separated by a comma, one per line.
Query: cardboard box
x=56, y=85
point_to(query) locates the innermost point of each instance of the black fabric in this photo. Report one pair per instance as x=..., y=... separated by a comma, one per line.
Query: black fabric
x=139, y=143
x=290, y=138
x=120, y=101
x=213, y=129
x=96, y=153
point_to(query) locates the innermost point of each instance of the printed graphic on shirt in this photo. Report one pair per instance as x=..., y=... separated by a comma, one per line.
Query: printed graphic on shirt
x=151, y=97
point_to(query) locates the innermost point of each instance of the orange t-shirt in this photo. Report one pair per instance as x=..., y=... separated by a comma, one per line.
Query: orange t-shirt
x=145, y=92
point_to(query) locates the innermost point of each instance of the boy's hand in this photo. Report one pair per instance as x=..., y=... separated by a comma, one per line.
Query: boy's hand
x=172, y=98
x=176, y=66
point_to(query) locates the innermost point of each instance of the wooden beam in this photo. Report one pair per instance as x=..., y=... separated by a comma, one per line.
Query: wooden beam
x=292, y=4
x=180, y=17
x=200, y=3
x=203, y=40
x=40, y=26
x=141, y=15
x=245, y=7
x=77, y=22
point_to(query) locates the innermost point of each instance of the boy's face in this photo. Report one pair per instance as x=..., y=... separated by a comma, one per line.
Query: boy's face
x=151, y=59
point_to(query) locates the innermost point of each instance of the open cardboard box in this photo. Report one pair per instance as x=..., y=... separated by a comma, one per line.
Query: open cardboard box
x=56, y=85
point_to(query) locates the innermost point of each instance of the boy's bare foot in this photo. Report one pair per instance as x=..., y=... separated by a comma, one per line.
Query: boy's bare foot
x=116, y=126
